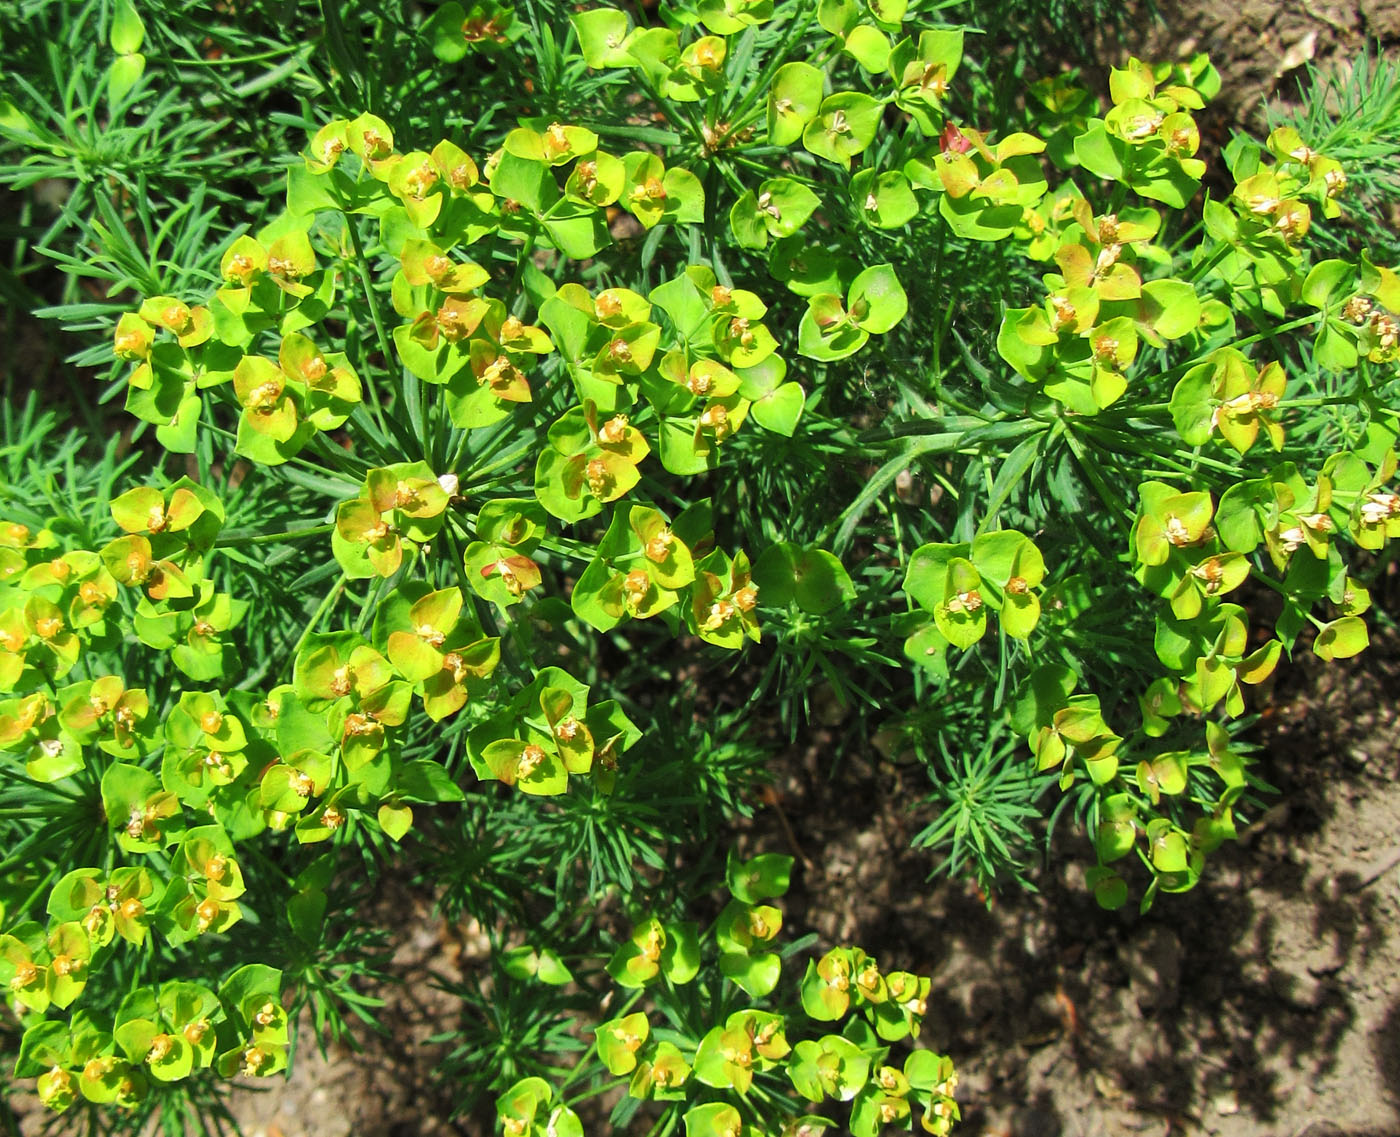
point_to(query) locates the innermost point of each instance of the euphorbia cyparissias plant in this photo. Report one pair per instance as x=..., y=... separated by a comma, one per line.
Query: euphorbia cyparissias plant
x=517, y=431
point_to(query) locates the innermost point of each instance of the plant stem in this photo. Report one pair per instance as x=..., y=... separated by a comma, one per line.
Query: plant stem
x=236, y=538
x=325, y=606
x=1221, y=252
x=771, y=67
x=1109, y=495
x=362, y=266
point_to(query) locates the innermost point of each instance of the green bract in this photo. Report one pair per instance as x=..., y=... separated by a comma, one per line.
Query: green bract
x=950, y=582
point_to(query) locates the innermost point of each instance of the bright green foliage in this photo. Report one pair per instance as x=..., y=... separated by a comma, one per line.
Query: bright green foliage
x=957, y=583
x=833, y=329
x=171, y=1030
x=481, y=458
x=682, y=1067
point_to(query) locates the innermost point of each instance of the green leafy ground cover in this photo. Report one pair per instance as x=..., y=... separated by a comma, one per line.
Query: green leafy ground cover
x=556, y=442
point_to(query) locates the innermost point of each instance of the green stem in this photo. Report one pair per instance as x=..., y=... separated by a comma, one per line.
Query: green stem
x=1269, y=582
x=235, y=537
x=325, y=606
x=225, y=61
x=1180, y=241
x=457, y=553
x=560, y=548
x=1292, y=325
x=945, y=424
x=42, y=887
x=335, y=457
x=362, y=266
x=1182, y=368
x=1329, y=401
x=320, y=471
x=476, y=474
x=665, y=1123
x=1120, y=188
x=1221, y=252
x=771, y=67
x=593, y=1093
x=44, y=787
x=1109, y=495
x=1117, y=445
x=526, y=249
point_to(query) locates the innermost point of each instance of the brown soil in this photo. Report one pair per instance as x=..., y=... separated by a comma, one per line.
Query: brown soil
x=1262, y=47
x=1262, y=1003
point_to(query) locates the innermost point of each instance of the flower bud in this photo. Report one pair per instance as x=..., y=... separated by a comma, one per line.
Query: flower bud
x=636, y=584
x=607, y=305
x=598, y=476
x=531, y=758
x=659, y=547
x=55, y=1088
x=206, y=912
x=1357, y=309
x=613, y=431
